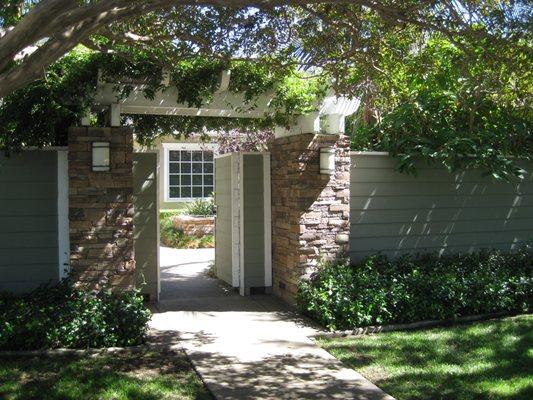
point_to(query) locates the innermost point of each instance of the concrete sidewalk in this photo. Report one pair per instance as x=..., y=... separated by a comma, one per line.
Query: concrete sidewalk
x=252, y=347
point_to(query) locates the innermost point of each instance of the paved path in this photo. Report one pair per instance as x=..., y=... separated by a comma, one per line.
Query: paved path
x=252, y=347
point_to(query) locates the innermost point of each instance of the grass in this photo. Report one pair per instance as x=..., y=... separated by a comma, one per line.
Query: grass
x=149, y=375
x=485, y=360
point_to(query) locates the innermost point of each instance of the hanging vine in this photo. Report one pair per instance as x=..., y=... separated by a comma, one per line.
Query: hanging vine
x=41, y=113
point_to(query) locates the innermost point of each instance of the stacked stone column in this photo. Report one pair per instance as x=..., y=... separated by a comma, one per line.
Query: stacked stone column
x=101, y=209
x=310, y=210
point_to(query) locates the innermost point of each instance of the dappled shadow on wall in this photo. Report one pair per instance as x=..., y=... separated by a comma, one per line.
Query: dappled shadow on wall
x=435, y=211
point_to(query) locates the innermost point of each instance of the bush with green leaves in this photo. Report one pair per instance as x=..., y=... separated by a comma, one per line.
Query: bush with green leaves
x=418, y=287
x=177, y=238
x=65, y=316
x=461, y=115
x=200, y=207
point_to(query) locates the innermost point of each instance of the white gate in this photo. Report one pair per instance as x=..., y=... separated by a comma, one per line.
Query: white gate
x=243, y=251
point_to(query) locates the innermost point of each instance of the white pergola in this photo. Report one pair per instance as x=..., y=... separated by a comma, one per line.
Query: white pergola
x=328, y=118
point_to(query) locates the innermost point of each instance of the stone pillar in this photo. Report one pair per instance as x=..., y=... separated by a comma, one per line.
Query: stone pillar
x=101, y=209
x=310, y=210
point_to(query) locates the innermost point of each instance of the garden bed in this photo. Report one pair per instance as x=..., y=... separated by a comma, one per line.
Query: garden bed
x=193, y=225
x=422, y=287
x=186, y=231
x=62, y=316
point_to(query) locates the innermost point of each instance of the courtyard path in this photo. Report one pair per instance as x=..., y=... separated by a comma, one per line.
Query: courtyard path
x=252, y=347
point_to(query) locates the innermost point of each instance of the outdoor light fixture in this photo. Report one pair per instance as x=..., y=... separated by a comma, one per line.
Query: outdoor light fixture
x=327, y=160
x=101, y=156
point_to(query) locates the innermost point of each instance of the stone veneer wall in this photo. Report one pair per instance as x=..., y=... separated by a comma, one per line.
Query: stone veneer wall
x=101, y=209
x=310, y=211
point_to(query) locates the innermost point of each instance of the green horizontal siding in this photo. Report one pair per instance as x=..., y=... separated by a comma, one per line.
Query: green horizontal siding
x=28, y=220
x=435, y=211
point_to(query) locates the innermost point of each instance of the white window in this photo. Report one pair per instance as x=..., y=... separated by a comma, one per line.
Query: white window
x=190, y=171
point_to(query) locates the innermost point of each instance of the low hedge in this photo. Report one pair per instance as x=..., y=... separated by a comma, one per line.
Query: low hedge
x=63, y=316
x=418, y=287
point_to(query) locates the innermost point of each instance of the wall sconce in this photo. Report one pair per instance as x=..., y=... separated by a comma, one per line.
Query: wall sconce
x=327, y=160
x=100, y=156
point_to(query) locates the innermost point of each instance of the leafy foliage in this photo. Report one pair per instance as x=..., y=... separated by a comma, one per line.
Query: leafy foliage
x=243, y=140
x=200, y=207
x=463, y=116
x=443, y=81
x=174, y=237
x=40, y=113
x=418, y=287
x=63, y=316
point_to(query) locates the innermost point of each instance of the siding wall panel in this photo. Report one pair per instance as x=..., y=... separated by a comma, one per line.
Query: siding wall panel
x=436, y=211
x=28, y=220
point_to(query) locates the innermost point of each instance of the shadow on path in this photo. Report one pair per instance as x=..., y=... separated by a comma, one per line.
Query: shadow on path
x=246, y=347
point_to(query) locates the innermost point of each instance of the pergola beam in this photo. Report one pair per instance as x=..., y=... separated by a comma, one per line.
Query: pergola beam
x=329, y=117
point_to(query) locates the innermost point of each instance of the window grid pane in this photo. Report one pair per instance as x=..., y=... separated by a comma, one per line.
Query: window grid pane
x=190, y=174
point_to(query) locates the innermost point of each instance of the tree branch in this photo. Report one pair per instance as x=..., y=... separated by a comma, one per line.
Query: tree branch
x=25, y=34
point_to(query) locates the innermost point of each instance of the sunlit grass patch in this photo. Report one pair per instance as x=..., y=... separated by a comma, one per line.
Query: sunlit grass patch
x=485, y=360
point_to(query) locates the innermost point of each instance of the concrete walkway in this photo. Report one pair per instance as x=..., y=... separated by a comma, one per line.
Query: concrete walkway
x=252, y=347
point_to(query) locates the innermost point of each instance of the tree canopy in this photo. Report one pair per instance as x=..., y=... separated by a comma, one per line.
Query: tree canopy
x=443, y=80
x=334, y=35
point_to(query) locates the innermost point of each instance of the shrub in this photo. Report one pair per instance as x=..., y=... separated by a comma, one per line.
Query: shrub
x=63, y=316
x=418, y=287
x=203, y=208
x=174, y=237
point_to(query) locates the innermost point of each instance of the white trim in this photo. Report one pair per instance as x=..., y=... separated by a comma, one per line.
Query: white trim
x=235, y=222
x=223, y=104
x=151, y=151
x=196, y=146
x=225, y=76
x=190, y=146
x=183, y=109
x=369, y=153
x=63, y=241
x=224, y=155
x=158, y=225
x=267, y=219
x=114, y=114
x=335, y=124
x=47, y=148
x=242, y=289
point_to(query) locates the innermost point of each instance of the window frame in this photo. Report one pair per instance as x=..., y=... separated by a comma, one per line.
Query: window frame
x=167, y=148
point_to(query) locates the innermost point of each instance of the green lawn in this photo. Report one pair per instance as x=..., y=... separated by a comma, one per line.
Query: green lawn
x=149, y=376
x=485, y=360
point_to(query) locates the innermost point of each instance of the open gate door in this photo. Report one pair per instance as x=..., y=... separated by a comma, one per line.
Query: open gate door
x=146, y=222
x=243, y=250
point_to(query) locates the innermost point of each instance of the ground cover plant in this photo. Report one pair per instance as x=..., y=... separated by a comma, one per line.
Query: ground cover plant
x=150, y=375
x=418, y=287
x=64, y=316
x=203, y=208
x=485, y=360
